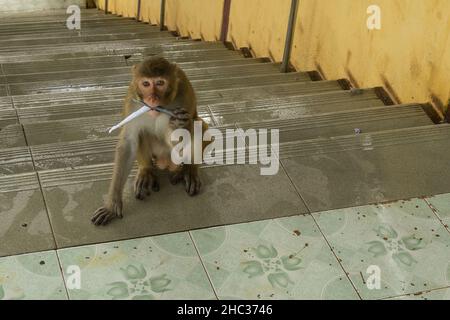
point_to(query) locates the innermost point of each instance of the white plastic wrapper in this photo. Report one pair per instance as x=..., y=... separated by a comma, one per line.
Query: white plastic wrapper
x=132, y=116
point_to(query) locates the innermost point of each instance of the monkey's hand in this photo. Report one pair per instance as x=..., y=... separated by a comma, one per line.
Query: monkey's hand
x=181, y=119
x=102, y=216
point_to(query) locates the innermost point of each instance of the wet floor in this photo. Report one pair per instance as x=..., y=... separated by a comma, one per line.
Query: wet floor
x=311, y=230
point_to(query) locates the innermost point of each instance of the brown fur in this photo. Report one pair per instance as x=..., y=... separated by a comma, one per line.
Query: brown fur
x=148, y=146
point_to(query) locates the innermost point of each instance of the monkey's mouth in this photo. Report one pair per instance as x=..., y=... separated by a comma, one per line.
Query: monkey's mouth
x=153, y=101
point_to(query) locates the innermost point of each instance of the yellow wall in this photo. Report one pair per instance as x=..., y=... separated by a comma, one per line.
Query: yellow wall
x=150, y=11
x=199, y=19
x=260, y=25
x=410, y=54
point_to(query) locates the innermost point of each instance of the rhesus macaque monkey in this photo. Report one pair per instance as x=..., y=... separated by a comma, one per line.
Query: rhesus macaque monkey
x=158, y=83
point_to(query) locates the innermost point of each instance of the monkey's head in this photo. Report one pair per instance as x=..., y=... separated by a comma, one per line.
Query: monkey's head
x=156, y=81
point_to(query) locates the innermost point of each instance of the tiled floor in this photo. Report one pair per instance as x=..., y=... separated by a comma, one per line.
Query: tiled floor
x=326, y=255
x=60, y=94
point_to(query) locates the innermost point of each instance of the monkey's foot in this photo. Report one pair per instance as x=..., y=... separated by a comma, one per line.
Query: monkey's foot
x=143, y=184
x=176, y=177
x=192, y=182
x=102, y=216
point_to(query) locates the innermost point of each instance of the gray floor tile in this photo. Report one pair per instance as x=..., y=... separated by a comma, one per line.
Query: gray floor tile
x=24, y=223
x=73, y=195
x=12, y=136
x=356, y=170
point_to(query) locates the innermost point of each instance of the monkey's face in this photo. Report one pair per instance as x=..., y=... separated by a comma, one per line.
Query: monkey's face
x=153, y=91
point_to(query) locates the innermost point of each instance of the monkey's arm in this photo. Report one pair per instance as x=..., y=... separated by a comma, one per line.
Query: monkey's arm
x=182, y=119
x=124, y=158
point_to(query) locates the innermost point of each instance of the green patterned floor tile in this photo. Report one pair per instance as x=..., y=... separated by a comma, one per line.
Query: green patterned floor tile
x=285, y=258
x=162, y=267
x=441, y=206
x=404, y=240
x=34, y=276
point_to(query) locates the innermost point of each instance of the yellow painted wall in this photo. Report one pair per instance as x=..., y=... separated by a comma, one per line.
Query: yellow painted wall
x=260, y=25
x=150, y=11
x=410, y=54
x=120, y=7
x=199, y=19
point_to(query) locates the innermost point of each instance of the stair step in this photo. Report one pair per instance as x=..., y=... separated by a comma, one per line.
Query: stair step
x=97, y=126
x=61, y=33
x=85, y=51
x=19, y=182
x=107, y=54
x=348, y=171
x=123, y=74
x=344, y=122
x=155, y=38
x=294, y=106
x=83, y=39
x=15, y=160
x=101, y=150
x=199, y=85
x=64, y=34
x=55, y=16
x=12, y=136
x=7, y=117
x=58, y=106
x=58, y=25
x=114, y=61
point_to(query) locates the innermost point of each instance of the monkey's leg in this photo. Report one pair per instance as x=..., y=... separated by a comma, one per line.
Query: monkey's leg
x=144, y=181
x=176, y=176
x=124, y=158
x=145, y=178
x=191, y=178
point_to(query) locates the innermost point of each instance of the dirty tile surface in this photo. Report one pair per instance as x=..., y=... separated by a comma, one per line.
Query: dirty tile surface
x=438, y=294
x=404, y=240
x=285, y=258
x=72, y=196
x=163, y=267
x=441, y=206
x=244, y=236
x=348, y=171
x=34, y=276
x=24, y=223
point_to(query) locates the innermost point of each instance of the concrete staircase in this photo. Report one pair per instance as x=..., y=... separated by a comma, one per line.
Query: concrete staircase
x=60, y=90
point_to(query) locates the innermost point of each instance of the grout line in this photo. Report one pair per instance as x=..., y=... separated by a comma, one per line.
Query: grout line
x=434, y=210
x=415, y=293
x=43, y=251
x=62, y=274
x=203, y=265
x=310, y=213
x=321, y=232
x=40, y=187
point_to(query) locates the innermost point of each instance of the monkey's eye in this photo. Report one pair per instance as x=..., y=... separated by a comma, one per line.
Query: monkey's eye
x=160, y=83
x=146, y=83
